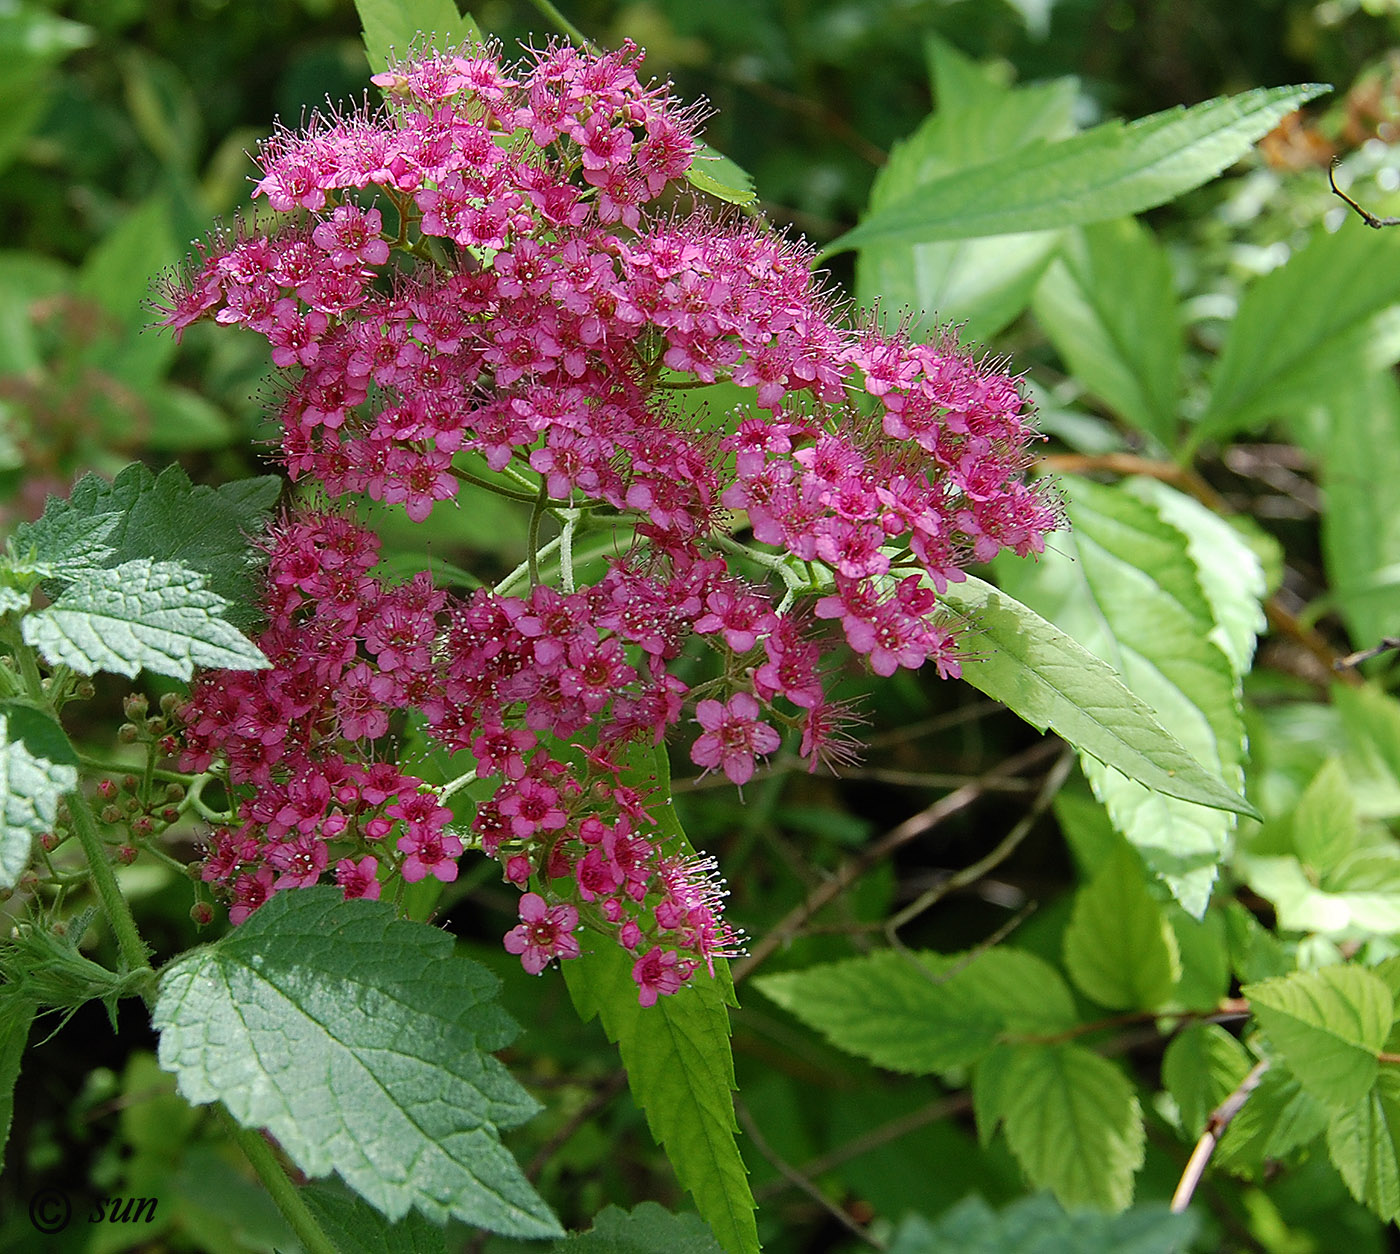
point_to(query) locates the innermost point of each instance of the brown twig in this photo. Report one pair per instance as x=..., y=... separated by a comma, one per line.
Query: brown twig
x=1367, y=216
x=1215, y=1128
x=941, y=810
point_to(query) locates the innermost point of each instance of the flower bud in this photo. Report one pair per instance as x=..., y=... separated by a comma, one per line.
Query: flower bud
x=202, y=914
x=126, y=854
x=111, y=814
x=135, y=706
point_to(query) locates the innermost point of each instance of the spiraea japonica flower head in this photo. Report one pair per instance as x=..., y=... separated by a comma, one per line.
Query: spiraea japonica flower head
x=501, y=278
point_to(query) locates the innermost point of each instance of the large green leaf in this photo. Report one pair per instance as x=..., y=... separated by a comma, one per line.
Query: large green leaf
x=1040, y=1225
x=364, y=1046
x=141, y=615
x=393, y=27
x=1361, y=524
x=677, y=1054
x=37, y=766
x=1329, y=1026
x=1072, y=1120
x=1108, y=172
x=1118, y=946
x=1027, y=663
x=1109, y=308
x=922, y=1013
x=1288, y=350
x=1364, y=1142
x=1125, y=585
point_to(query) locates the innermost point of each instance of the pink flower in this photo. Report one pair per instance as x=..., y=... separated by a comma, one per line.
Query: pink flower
x=657, y=973
x=545, y=932
x=733, y=737
x=358, y=879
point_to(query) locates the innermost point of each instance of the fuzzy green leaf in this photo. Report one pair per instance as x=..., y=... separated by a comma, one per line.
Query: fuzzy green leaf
x=1328, y=1025
x=1110, y=310
x=1287, y=350
x=647, y=1229
x=364, y=1046
x=921, y=1013
x=1118, y=946
x=677, y=1054
x=1040, y=1225
x=1072, y=1121
x=141, y=615
x=37, y=766
x=1111, y=171
x=68, y=542
x=1027, y=663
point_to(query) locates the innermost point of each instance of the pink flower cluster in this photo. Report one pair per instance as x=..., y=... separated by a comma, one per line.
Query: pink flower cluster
x=498, y=267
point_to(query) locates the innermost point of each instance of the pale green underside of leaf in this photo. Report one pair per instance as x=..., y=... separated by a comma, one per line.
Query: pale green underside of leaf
x=1328, y=1025
x=1118, y=946
x=1287, y=349
x=922, y=1013
x=1037, y=670
x=1040, y=1225
x=1124, y=584
x=141, y=615
x=31, y=785
x=1111, y=171
x=1072, y=1121
x=364, y=1046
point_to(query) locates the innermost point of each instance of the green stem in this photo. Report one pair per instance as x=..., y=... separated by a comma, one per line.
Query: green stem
x=287, y=1196
x=476, y=481
x=130, y=768
x=29, y=670
x=114, y=905
x=532, y=543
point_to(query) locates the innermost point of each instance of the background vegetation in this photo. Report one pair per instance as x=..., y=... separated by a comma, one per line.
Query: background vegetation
x=1236, y=345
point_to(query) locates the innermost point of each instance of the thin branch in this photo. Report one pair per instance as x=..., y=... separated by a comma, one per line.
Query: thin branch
x=795, y=1177
x=1215, y=1128
x=944, y=808
x=609, y=1089
x=1353, y=660
x=1367, y=216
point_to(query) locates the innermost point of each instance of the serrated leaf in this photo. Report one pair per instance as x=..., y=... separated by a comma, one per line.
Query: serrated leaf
x=16, y=1015
x=1328, y=1025
x=1125, y=585
x=921, y=1013
x=355, y=1227
x=1361, y=524
x=141, y=615
x=1110, y=310
x=677, y=1053
x=393, y=27
x=1201, y=1067
x=1040, y=1225
x=1286, y=349
x=1109, y=172
x=1277, y=1119
x=1118, y=946
x=715, y=174
x=169, y=519
x=1364, y=1143
x=647, y=1229
x=68, y=542
x=1041, y=673
x=1073, y=1122
x=364, y=1046
x=31, y=784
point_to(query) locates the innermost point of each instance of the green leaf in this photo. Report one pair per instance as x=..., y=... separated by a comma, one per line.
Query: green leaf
x=921, y=1013
x=141, y=615
x=1202, y=1066
x=37, y=766
x=1361, y=524
x=393, y=27
x=32, y=40
x=16, y=1014
x=716, y=175
x=169, y=519
x=1108, y=172
x=1040, y=1225
x=68, y=542
x=1278, y=1118
x=1364, y=1143
x=677, y=1054
x=1287, y=350
x=647, y=1229
x=1328, y=1025
x=1126, y=586
x=1041, y=673
x=364, y=1046
x=1118, y=946
x=355, y=1226
x=1072, y=1121
x=1325, y=826
x=1110, y=310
